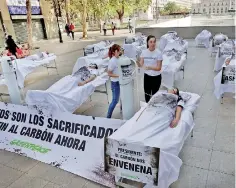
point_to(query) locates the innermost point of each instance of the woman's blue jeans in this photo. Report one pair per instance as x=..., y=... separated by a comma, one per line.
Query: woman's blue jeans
x=115, y=87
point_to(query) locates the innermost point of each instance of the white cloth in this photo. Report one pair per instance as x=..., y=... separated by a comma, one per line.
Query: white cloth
x=133, y=51
x=223, y=88
x=113, y=67
x=90, y=59
x=137, y=40
x=26, y=65
x=2, y=80
x=203, y=38
x=171, y=68
x=178, y=44
x=218, y=39
x=101, y=48
x=152, y=129
x=65, y=95
x=168, y=37
x=84, y=74
x=225, y=51
x=150, y=59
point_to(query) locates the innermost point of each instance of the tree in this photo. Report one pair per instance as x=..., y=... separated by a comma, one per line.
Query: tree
x=128, y=6
x=171, y=7
x=80, y=7
x=84, y=19
x=67, y=4
x=29, y=23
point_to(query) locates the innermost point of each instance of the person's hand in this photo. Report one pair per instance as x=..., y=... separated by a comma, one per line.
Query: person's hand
x=147, y=68
x=80, y=84
x=174, y=123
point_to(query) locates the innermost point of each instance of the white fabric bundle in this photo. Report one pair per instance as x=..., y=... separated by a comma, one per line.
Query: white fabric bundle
x=219, y=39
x=226, y=50
x=96, y=48
x=203, y=38
x=134, y=49
x=171, y=66
x=87, y=60
x=178, y=44
x=222, y=88
x=168, y=37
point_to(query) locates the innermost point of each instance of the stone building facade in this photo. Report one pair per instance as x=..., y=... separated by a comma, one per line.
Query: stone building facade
x=213, y=7
x=14, y=17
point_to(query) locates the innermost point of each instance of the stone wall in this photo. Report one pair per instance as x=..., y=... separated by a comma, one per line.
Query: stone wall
x=188, y=32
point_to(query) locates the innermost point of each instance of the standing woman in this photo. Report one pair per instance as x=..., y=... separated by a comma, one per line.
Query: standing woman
x=113, y=27
x=113, y=73
x=151, y=61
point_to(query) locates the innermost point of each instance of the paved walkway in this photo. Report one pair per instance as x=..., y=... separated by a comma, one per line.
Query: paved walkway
x=208, y=157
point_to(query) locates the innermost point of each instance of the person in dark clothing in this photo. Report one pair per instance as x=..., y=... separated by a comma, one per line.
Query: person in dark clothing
x=67, y=29
x=130, y=26
x=11, y=45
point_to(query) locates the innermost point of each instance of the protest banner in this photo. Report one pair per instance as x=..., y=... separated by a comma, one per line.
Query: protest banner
x=132, y=164
x=228, y=75
x=74, y=143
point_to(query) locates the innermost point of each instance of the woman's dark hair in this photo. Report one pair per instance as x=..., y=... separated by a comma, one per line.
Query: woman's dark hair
x=11, y=45
x=177, y=91
x=150, y=37
x=94, y=65
x=113, y=49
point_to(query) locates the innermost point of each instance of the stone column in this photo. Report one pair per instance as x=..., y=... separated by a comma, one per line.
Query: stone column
x=49, y=19
x=7, y=19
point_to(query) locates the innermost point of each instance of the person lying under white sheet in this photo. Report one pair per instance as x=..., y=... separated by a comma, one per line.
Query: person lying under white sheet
x=39, y=56
x=86, y=74
x=163, y=110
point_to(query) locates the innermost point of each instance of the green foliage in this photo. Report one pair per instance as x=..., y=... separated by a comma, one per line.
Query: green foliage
x=103, y=8
x=127, y=7
x=172, y=7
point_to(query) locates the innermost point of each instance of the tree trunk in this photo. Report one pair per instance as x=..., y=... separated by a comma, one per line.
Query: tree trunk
x=67, y=3
x=29, y=23
x=121, y=13
x=84, y=19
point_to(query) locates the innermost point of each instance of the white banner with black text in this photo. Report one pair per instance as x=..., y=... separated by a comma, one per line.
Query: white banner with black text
x=74, y=143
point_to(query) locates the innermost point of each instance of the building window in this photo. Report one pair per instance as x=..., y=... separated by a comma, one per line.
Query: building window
x=226, y=10
x=199, y=10
x=210, y=4
x=204, y=10
x=222, y=3
x=232, y=3
x=209, y=10
x=193, y=10
x=222, y=10
x=204, y=5
x=218, y=4
x=213, y=10
x=217, y=11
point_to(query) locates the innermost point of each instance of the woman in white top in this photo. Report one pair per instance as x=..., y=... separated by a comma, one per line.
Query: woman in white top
x=114, y=53
x=151, y=61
